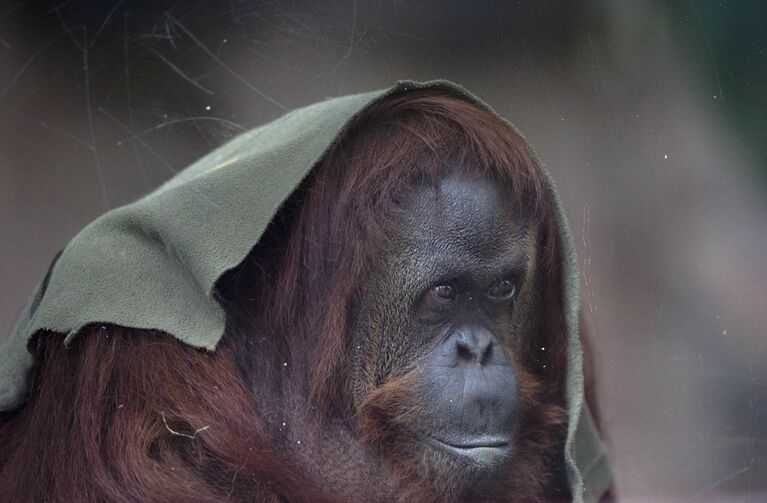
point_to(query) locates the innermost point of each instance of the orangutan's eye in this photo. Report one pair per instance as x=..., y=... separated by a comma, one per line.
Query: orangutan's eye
x=503, y=289
x=445, y=293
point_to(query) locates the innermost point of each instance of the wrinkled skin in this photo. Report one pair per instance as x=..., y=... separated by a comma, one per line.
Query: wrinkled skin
x=445, y=313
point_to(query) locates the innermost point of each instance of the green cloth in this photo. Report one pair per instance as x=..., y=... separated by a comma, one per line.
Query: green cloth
x=153, y=264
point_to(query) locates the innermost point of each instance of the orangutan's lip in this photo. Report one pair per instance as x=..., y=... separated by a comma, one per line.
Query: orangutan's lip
x=483, y=450
x=476, y=444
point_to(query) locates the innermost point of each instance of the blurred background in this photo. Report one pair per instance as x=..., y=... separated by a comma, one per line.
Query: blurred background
x=651, y=115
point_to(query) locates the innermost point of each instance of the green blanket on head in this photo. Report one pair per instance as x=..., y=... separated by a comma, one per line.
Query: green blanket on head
x=154, y=264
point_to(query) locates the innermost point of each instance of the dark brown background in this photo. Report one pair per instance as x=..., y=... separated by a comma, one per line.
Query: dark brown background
x=651, y=115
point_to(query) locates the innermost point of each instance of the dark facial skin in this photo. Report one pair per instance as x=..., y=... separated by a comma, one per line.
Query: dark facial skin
x=439, y=313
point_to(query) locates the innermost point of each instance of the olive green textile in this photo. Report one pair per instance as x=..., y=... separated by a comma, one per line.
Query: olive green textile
x=153, y=264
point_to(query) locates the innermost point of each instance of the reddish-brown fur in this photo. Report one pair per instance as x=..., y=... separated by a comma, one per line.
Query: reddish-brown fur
x=134, y=415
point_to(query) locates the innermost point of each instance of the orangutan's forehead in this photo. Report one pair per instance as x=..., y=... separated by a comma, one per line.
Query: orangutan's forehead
x=466, y=215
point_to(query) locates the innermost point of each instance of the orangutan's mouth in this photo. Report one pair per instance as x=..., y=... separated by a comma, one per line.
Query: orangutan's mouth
x=484, y=450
